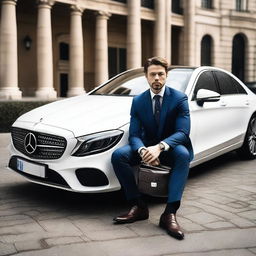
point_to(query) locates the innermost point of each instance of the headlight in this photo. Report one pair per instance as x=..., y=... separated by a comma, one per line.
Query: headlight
x=97, y=142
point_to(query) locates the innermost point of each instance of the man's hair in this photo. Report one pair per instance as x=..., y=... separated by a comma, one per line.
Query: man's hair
x=155, y=61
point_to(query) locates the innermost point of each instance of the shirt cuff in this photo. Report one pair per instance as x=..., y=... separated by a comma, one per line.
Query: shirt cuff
x=166, y=146
x=139, y=150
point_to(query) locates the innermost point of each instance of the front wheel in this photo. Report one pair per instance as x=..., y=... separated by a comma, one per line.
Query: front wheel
x=248, y=149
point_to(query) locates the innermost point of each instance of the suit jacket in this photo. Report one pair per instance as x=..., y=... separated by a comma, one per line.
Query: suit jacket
x=174, y=127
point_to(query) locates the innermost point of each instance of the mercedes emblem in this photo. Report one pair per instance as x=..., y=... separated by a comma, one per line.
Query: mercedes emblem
x=30, y=143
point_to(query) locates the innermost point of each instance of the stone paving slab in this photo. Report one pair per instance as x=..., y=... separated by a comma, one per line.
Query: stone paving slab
x=203, y=242
x=7, y=249
x=253, y=250
x=28, y=245
x=238, y=252
x=63, y=240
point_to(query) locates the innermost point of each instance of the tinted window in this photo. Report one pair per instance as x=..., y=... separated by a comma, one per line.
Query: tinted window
x=238, y=86
x=225, y=83
x=206, y=4
x=64, y=51
x=116, y=61
x=147, y=3
x=206, y=81
x=134, y=83
x=176, y=7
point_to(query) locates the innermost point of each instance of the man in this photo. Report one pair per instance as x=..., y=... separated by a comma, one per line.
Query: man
x=159, y=133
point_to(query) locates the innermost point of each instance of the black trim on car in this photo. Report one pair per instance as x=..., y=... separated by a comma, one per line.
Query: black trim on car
x=52, y=177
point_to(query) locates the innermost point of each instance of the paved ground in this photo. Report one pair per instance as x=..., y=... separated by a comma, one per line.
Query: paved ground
x=218, y=214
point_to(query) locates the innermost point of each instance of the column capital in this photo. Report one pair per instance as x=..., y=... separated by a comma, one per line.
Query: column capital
x=103, y=14
x=77, y=8
x=14, y=2
x=49, y=3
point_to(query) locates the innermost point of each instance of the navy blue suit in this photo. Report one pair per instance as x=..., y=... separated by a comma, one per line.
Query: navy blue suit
x=173, y=129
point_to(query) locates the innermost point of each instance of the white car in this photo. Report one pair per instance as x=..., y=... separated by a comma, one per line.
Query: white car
x=68, y=144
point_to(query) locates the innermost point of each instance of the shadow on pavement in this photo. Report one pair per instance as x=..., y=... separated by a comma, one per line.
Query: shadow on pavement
x=214, y=165
x=97, y=202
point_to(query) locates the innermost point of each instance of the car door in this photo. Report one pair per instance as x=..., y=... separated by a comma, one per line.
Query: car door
x=235, y=108
x=207, y=120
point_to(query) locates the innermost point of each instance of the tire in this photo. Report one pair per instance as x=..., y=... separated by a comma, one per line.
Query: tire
x=248, y=149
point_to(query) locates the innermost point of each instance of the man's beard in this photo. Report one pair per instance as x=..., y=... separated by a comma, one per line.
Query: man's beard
x=157, y=86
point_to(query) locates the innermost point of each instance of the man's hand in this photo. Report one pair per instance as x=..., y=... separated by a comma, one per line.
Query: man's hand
x=156, y=162
x=150, y=155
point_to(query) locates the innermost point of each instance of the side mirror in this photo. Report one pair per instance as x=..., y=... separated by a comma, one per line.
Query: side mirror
x=204, y=95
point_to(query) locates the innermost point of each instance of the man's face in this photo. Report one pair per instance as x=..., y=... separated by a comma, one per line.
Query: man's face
x=156, y=77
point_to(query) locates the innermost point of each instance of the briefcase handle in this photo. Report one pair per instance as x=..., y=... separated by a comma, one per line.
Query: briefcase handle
x=155, y=168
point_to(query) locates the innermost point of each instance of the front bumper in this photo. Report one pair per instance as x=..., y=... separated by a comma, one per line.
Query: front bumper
x=89, y=174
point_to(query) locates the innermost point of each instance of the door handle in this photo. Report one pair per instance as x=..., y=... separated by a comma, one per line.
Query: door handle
x=247, y=103
x=223, y=104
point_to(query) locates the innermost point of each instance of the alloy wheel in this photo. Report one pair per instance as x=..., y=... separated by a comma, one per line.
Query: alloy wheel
x=252, y=136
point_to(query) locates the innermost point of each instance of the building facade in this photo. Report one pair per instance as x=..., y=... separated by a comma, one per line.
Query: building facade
x=63, y=48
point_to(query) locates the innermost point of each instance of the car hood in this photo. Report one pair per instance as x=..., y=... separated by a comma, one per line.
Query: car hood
x=83, y=114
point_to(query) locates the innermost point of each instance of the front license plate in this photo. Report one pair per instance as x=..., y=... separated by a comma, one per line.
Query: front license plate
x=31, y=168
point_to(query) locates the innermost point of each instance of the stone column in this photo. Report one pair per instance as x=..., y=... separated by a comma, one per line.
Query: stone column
x=101, y=48
x=76, y=62
x=45, y=88
x=8, y=52
x=189, y=33
x=168, y=30
x=160, y=29
x=133, y=34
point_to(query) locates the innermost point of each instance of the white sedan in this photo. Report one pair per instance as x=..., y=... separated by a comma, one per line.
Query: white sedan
x=68, y=144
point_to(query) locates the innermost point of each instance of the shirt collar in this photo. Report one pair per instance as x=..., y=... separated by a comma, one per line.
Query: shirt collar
x=161, y=93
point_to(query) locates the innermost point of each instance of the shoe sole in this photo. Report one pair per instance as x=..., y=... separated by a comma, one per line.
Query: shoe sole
x=175, y=235
x=129, y=221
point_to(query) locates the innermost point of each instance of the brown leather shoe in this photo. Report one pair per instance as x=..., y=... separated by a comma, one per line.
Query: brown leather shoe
x=133, y=215
x=170, y=224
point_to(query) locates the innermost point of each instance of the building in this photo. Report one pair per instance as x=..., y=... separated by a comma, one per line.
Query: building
x=63, y=48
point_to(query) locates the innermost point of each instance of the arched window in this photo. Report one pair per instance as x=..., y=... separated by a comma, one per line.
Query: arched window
x=238, y=56
x=206, y=51
x=206, y=4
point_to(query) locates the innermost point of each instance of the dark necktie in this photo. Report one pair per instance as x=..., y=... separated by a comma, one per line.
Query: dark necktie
x=157, y=109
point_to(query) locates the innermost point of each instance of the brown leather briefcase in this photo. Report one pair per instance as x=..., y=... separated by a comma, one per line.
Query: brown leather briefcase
x=153, y=180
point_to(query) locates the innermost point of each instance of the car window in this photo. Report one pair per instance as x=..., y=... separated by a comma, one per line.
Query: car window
x=205, y=81
x=132, y=84
x=225, y=83
x=178, y=78
x=238, y=86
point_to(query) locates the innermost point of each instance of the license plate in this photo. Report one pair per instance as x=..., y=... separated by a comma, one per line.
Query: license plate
x=31, y=168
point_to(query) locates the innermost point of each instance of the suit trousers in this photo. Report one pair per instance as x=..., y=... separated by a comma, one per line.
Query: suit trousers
x=124, y=158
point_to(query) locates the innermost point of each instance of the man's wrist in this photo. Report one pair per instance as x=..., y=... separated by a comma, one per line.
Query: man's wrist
x=141, y=150
x=161, y=146
x=164, y=146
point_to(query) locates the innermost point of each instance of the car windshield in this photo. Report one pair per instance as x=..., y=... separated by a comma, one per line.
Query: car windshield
x=134, y=82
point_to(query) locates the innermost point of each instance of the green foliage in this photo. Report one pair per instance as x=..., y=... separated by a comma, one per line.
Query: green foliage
x=11, y=110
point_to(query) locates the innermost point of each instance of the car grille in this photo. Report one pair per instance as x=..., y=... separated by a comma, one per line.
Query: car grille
x=44, y=146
